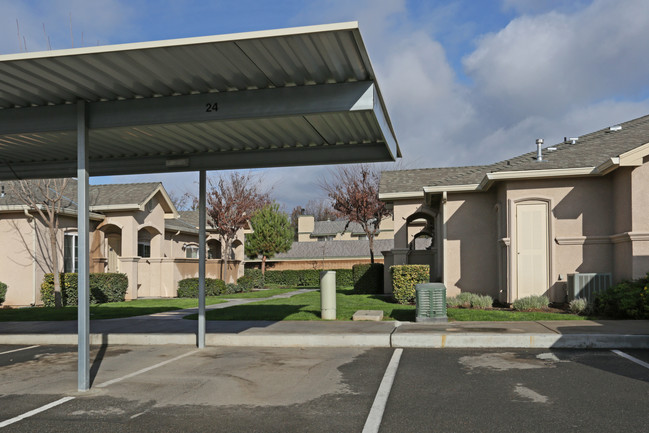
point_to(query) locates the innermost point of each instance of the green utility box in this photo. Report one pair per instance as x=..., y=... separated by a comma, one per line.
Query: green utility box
x=431, y=302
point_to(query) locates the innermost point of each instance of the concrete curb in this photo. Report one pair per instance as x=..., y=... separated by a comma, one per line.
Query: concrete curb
x=382, y=340
x=531, y=341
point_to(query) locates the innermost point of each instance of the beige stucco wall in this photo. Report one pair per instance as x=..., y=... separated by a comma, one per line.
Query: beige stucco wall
x=25, y=257
x=470, y=246
x=580, y=222
x=402, y=210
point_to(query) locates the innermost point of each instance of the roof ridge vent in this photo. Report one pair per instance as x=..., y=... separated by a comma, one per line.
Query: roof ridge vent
x=615, y=128
x=570, y=140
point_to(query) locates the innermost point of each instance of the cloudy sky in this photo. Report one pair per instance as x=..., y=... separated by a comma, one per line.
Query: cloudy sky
x=465, y=82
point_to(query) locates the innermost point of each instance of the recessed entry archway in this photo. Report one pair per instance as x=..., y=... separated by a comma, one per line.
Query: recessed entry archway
x=301, y=96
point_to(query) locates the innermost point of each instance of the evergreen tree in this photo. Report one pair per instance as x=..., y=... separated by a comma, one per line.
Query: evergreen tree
x=272, y=234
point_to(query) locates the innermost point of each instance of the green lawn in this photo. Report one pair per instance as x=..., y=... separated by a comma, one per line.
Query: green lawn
x=464, y=315
x=138, y=307
x=307, y=307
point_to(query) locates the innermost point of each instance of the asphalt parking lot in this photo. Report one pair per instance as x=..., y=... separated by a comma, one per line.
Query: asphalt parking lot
x=176, y=388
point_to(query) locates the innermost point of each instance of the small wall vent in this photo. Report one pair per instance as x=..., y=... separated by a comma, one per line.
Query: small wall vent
x=615, y=128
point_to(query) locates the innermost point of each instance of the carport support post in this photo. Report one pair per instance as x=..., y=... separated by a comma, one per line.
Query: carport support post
x=201, y=258
x=83, y=311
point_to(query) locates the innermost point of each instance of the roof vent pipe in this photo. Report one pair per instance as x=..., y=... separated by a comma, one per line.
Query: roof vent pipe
x=539, y=155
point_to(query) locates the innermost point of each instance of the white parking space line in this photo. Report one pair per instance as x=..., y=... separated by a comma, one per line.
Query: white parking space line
x=631, y=358
x=144, y=370
x=375, y=416
x=18, y=350
x=35, y=411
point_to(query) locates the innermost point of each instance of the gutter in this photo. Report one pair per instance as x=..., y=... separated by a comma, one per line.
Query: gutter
x=401, y=195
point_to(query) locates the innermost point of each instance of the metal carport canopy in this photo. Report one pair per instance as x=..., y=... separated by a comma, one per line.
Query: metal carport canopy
x=286, y=97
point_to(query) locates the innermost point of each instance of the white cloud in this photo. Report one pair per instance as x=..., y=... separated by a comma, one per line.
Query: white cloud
x=558, y=68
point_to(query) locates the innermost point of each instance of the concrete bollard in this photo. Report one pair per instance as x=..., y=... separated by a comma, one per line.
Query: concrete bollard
x=328, y=295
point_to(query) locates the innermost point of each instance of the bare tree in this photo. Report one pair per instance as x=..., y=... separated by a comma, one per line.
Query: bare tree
x=186, y=201
x=354, y=191
x=45, y=198
x=231, y=202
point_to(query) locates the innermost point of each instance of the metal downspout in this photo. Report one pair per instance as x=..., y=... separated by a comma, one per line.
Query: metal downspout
x=444, y=234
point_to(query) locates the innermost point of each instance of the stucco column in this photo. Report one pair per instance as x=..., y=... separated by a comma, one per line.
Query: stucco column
x=397, y=256
x=129, y=260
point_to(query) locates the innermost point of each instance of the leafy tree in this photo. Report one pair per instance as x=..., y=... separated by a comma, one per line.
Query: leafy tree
x=354, y=191
x=272, y=234
x=231, y=201
x=45, y=198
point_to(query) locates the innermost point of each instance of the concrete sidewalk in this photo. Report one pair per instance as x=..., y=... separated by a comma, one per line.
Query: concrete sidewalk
x=170, y=328
x=160, y=329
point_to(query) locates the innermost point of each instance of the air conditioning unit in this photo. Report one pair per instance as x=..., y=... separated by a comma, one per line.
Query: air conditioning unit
x=587, y=286
x=431, y=302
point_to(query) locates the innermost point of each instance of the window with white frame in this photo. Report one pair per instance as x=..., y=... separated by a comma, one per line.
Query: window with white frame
x=70, y=253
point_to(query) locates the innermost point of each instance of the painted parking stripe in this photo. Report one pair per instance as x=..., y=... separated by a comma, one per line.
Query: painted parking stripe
x=35, y=411
x=631, y=358
x=375, y=416
x=18, y=350
x=144, y=370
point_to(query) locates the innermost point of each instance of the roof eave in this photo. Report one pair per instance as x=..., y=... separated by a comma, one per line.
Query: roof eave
x=389, y=196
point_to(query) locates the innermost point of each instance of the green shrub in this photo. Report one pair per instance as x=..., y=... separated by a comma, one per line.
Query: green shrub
x=300, y=278
x=3, y=292
x=344, y=277
x=248, y=282
x=470, y=300
x=579, y=306
x=256, y=276
x=531, y=303
x=232, y=288
x=627, y=300
x=368, y=278
x=404, y=279
x=104, y=287
x=188, y=288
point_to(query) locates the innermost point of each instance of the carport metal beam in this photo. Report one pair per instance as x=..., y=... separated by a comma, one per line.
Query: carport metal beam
x=210, y=107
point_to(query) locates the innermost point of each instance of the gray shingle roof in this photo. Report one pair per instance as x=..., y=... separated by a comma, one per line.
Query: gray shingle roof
x=99, y=195
x=328, y=228
x=590, y=150
x=335, y=249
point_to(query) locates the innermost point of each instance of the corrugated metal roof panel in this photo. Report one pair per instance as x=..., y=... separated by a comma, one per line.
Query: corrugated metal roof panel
x=41, y=86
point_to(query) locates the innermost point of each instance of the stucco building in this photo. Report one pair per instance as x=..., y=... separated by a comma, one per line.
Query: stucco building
x=135, y=230
x=518, y=227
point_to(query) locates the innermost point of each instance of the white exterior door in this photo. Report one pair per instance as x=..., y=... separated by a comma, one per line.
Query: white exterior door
x=532, y=256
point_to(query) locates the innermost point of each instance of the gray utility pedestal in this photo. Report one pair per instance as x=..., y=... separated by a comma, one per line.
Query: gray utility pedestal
x=328, y=295
x=431, y=302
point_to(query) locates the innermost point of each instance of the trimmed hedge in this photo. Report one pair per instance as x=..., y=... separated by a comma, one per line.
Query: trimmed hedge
x=404, y=279
x=368, y=278
x=3, y=291
x=248, y=282
x=344, y=277
x=104, y=287
x=627, y=300
x=258, y=280
x=188, y=288
x=301, y=278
